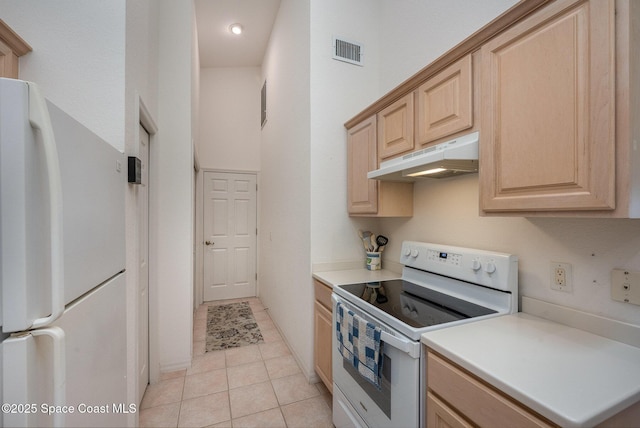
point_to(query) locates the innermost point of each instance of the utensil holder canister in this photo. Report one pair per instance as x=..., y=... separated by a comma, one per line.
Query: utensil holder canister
x=374, y=261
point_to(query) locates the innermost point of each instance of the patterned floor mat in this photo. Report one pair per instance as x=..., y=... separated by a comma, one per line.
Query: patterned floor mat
x=231, y=326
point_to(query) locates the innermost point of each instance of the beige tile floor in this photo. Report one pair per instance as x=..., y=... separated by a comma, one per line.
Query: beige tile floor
x=252, y=386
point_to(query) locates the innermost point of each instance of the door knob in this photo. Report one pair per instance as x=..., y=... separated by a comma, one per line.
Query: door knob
x=209, y=242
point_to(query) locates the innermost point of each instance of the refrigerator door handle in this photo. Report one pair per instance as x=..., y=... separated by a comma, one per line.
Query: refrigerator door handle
x=39, y=119
x=17, y=384
x=59, y=369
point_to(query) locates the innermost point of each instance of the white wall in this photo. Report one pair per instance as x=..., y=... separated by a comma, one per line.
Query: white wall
x=284, y=194
x=399, y=39
x=141, y=87
x=230, y=109
x=414, y=33
x=229, y=135
x=195, y=127
x=78, y=58
x=339, y=90
x=172, y=176
x=446, y=211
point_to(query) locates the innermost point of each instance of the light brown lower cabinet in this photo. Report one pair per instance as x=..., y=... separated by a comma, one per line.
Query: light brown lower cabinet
x=457, y=398
x=323, y=333
x=440, y=415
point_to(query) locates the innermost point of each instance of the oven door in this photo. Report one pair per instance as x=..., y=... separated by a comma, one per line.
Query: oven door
x=397, y=403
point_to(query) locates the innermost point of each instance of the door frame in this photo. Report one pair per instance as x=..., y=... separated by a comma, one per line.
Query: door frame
x=141, y=237
x=199, y=286
x=146, y=120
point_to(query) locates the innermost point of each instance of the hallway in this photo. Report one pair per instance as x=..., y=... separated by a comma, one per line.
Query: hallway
x=252, y=386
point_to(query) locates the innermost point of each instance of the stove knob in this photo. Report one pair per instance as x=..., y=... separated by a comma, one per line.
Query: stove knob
x=414, y=314
x=476, y=265
x=490, y=268
x=407, y=252
x=414, y=253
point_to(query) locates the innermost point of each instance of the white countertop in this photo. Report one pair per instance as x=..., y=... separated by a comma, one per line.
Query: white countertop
x=570, y=376
x=354, y=276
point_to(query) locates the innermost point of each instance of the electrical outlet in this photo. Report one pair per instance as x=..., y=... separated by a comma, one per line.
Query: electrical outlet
x=561, y=277
x=625, y=286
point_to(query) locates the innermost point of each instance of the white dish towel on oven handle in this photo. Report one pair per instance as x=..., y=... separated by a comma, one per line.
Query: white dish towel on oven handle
x=359, y=342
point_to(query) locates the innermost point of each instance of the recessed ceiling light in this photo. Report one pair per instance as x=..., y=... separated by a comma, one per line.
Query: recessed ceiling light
x=235, y=28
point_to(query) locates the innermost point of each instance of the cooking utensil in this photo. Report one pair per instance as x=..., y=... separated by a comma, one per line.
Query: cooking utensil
x=364, y=238
x=381, y=241
x=366, y=294
x=374, y=295
x=382, y=295
x=373, y=246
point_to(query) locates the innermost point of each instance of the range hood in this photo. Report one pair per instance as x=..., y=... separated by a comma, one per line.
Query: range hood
x=455, y=157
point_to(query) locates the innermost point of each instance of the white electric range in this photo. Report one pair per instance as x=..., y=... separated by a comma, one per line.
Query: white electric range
x=441, y=286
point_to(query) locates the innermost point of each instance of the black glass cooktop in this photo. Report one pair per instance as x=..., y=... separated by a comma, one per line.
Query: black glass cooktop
x=415, y=305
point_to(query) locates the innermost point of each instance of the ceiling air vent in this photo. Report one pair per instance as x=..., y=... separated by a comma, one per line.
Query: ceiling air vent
x=347, y=51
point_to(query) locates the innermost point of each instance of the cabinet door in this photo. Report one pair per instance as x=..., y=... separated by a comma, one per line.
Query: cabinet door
x=8, y=62
x=322, y=344
x=479, y=402
x=11, y=48
x=361, y=158
x=372, y=198
x=548, y=114
x=445, y=102
x=395, y=128
x=439, y=415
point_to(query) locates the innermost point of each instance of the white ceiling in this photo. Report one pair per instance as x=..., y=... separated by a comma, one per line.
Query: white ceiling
x=218, y=47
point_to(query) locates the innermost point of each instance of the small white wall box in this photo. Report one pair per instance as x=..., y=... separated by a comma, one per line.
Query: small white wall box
x=134, y=175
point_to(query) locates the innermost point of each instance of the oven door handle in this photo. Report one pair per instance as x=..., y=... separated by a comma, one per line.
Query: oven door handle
x=405, y=345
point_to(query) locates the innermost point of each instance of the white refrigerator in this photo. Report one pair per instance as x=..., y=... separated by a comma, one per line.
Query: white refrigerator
x=62, y=261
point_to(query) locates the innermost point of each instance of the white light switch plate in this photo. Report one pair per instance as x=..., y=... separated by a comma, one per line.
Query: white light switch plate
x=625, y=286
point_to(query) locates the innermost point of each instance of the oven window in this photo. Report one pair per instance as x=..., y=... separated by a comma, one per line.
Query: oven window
x=382, y=396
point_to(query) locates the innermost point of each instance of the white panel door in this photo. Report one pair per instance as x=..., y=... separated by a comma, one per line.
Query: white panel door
x=229, y=235
x=143, y=268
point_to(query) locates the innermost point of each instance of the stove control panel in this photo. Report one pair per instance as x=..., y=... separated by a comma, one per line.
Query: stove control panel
x=452, y=259
x=488, y=268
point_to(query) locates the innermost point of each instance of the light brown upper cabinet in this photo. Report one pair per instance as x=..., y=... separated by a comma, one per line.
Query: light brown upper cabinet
x=548, y=128
x=11, y=48
x=445, y=102
x=553, y=88
x=395, y=128
x=362, y=158
x=366, y=197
